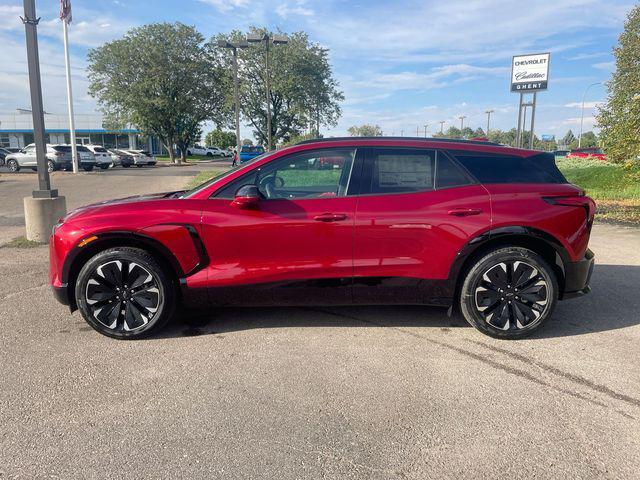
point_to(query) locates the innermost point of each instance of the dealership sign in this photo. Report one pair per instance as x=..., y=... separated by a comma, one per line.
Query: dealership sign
x=530, y=73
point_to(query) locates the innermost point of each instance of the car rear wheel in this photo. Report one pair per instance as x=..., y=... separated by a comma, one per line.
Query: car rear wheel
x=87, y=168
x=50, y=166
x=13, y=166
x=124, y=293
x=509, y=293
x=104, y=166
x=126, y=165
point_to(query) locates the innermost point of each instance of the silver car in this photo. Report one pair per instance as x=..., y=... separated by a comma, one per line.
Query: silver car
x=58, y=158
x=102, y=155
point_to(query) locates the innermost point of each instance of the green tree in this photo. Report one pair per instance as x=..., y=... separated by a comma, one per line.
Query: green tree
x=303, y=91
x=220, y=138
x=365, y=130
x=589, y=139
x=569, y=138
x=160, y=78
x=619, y=118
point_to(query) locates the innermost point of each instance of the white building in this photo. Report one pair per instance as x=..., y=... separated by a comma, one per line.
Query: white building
x=16, y=130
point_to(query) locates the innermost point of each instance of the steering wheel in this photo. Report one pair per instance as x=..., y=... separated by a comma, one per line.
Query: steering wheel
x=270, y=183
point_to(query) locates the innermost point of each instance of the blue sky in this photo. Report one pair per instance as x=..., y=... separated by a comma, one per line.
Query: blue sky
x=400, y=63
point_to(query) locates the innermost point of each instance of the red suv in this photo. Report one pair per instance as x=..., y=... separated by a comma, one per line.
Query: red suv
x=497, y=232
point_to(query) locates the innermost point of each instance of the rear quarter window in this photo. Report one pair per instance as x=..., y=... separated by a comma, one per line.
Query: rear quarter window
x=491, y=168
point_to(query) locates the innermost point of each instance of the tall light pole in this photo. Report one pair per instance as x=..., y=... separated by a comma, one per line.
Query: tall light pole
x=488, y=112
x=462, y=117
x=268, y=40
x=236, y=88
x=43, y=209
x=582, y=114
x=442, y=122
x=426, y=125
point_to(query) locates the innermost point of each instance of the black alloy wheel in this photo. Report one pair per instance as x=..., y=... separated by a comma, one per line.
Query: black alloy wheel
x=123, y=293
x=509, y=293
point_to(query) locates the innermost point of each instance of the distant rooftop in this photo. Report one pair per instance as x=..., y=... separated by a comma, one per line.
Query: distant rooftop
x=20, y=121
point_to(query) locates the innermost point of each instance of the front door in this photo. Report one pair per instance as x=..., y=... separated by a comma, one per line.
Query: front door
x=295, y=247
x=416, y=210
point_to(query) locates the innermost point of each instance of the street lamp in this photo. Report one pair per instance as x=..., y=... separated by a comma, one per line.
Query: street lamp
x=426, y=125
x=582, y=114
x=268, y=40
x=236, y=89
x=488, y=112
x=442, y=122
x=462, y=117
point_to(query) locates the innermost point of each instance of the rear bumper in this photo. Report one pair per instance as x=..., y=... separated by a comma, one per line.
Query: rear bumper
x=578, y=275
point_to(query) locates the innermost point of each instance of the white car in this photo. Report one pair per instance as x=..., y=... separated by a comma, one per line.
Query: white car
x=103, y=157
x=205, y=151
x=141, y=157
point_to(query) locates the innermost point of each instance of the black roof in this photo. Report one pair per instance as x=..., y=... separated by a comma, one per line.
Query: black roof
x=417, y=139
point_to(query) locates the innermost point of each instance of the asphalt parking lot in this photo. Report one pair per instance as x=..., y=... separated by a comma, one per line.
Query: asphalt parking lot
x=396, y=392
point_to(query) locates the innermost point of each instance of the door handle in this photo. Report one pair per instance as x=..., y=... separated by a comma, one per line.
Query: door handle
x=330, y=217
x=465, y=212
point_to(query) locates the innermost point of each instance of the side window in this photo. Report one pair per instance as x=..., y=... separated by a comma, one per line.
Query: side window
x=402, y=170
x=311, y=174
x=448, y=174
x=511, y=169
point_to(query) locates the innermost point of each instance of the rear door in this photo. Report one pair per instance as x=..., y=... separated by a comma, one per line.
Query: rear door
x=416, y=210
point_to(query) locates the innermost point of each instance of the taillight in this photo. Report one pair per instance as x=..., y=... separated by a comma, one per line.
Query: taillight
x=580, y=200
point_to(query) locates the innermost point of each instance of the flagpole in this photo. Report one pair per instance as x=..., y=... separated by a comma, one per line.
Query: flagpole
x=72, y=125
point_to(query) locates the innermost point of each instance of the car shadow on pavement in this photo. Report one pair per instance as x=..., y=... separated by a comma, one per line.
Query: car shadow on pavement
x=614, y=303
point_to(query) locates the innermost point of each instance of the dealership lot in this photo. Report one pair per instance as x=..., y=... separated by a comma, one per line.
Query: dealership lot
x=312, y=392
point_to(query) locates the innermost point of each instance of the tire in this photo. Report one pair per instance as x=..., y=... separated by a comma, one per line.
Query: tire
x=13, y=166
x=509, y=293
x=126, y=165
x=139, y=166
x=104, y=166
x=88, y=168
x=209, y=154
x=119, y=313
x=50, y=166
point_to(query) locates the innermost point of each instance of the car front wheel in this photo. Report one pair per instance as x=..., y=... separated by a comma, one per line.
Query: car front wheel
x=509, y=293
x=123, y=293
x=13, y=166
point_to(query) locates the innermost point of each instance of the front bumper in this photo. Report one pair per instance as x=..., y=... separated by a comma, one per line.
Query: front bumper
x=61, y=294
x=577, y=276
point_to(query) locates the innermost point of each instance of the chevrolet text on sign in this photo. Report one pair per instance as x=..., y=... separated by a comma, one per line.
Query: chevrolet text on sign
x=530, y=73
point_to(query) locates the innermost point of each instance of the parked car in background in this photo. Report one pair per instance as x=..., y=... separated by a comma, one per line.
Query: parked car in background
x=560, y=153
x=250, y=151
x=142, y=157
x=205, y=151
x=121, y=158
x=59, y=157
x=595, y=152
x=495, y=232
x=3, y=153
x=102, y=156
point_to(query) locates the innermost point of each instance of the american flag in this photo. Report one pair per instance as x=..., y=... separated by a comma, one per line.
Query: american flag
x=65, y=10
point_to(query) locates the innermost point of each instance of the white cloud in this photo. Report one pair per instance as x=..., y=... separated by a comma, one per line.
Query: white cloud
x=606, y=66
x=227, y=5
x=586, y=104
x=286, y=10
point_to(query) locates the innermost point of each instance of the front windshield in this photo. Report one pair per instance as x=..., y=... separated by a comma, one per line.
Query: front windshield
x=226, y=173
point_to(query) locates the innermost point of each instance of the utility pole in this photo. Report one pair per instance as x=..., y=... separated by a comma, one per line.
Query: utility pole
x=402, y=133
x=417, y=130
x=582, y=115
x=442, y=122
x=65, y=16
x=268, y=40
x=488, y=112
x=426, y=125
x=462, y=117
x=236, y=88
x=44, y=207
